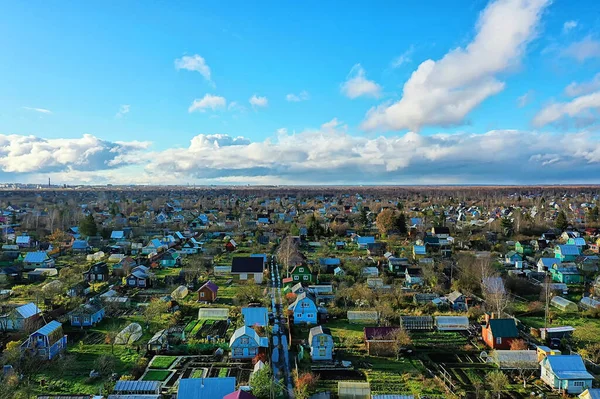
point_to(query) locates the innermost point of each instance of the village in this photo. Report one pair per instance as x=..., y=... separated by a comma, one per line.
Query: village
x=308, y=292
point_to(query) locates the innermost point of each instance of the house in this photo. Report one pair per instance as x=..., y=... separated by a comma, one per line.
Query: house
x=577, y=241
x=241, y=394
x=34, y=260
x=47, y=342
x=208, y=292
x=245, y=343
x=511, y=257
x=21, y=318
x=205, y=388
x=413, y=276
x=191, y=247
x=123, y=268
x=398, y=265
x=321, y=343
x=327, y=265
x=139, y=277
x=440, y=231
x=499, y=333
x=590, y=393
x=23, y=241
x=566, y=273
x=379, y=340
x=301, y=273
x=117, y=235
x=458, y=301
x=98, y=272
x=81, y=246
x=419, y=251
x=544, y=264
x=567, y=253
x=81, y=288
x=231, y=245
x=338, y=271
x=363, y=242
x=566, y=373
x=255, y=316
x=170, y=259
x=86, y=315
x=376, y=248
x=304, y=309
x=248, y=268
x=524, y=248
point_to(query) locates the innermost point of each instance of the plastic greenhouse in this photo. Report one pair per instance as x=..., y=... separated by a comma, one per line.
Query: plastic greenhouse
x=563, y=304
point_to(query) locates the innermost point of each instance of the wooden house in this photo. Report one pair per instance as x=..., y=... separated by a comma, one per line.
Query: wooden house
x=208, y=292
x=47, y=342
x=321, y=343
x=499, y=333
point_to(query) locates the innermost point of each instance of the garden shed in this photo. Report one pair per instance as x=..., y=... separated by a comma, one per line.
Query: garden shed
x=354, y=390
x=589, y=303
x=518, y=359
x=362, y=316
x=213, y=314
x=416, y=323
x=563, y=304
x=180, y=292
x=452, y=323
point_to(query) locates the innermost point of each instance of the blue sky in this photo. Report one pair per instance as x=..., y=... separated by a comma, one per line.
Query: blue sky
x=119, y=79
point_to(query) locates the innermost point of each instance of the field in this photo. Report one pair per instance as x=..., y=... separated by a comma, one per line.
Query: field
x=162, y=362
x=156, y=375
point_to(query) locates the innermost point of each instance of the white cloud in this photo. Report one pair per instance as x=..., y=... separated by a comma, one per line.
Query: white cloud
x=302, y=96
x=444, y=92
x=26, y=154
x=207, y=102
x=123, y=109
x=357, y=84
x=258, y=101
x=583, y=110
x=569, y=25
x=194, y=63
x=577, y=89
x=525, y=99
x=40, y=110
x=583, y=50
x=403, y=58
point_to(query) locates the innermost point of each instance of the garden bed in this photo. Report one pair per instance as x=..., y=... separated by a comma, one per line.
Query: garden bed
x=156, y=375
x=162, y=362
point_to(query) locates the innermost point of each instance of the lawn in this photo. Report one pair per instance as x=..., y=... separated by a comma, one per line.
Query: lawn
x=156, y=375
x=345, y=332
x=587, y=330
x=162, y=362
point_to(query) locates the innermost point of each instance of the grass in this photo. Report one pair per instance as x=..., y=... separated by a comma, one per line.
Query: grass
x=156, y=375
x=587, y=330
x=162, y=362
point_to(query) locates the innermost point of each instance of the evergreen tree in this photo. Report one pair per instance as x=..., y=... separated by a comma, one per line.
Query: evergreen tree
x=561, y=221
x=594, y=214
x=507, y=226
x=88, y=227
x=401, y=224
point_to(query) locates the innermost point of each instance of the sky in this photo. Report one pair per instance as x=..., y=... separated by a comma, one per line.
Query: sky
x=272, y=92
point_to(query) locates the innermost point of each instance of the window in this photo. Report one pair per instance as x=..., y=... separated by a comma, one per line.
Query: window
x=305, y=278
x=298, y=315
x=238, y=351
x=578, y=383
x=301, y=270
x=304, y=304
x=99, y=277
x=498, y=340
x=322, y=340
x=202, y=295
x=244, y=341
x=309, y=315
x=296, y=278
x=322, y=352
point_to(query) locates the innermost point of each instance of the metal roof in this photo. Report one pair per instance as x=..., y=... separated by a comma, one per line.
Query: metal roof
x=28, y=310
x=49, y=328
x=205, y=388
x=255, y=316
x=35, y=257
x=245, y=330
x=137, y=386
x=567, y=367
x=503, y=328
x=569, y=249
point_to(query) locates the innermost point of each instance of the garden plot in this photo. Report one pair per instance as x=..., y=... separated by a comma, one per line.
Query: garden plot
x=202, y=329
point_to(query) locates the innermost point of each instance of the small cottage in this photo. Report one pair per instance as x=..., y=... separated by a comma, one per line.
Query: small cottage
x=499, y=333
x=208, y=292
x=304, y=309
x=97, y=273
x=321, y=343
x=47, y=342
x=245, y=343
x=87, y=315
x=566, y=373
x=248, y=268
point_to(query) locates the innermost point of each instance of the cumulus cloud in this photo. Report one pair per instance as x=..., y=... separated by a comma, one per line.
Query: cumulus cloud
x=586, y=48
x=40, y=110
x=444, y=92
x=583, y=111
x=577, y=89
x=258, y=101
x=207, y=102
x=569, y=25
x=123, y=109
x=302, y=96
x=525, y=99
x=194, y=63
x=26, y=154
x=357, y=84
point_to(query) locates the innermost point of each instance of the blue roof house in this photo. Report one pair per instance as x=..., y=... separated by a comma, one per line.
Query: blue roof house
x=34, y=260
x=255, y=316
x=566, y=253
x=20, y=317
x=205, y=388
x=567, y=373
x=86, y=315
x=245, y=343
x=419, y=251
x=363, y=242
x=304, y=309
x=321, y=343
x=47, y=342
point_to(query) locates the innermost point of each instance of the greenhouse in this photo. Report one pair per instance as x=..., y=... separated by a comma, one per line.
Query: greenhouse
x=354, y=390
x=589, y=303
x=129, y=334
x=452, y=323
x=213, y=314
x=358, y=316
x=563, y=304
x=518, y=359
x=180, y=292
x=416, y=323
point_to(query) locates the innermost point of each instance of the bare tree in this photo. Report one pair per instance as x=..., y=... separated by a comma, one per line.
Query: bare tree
x=496, y=297
x=287, y=253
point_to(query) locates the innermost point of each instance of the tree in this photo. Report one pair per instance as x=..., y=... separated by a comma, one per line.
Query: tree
x=263, y=384
x=594, y=214
x=287, y=253
x=400, y=340
x=400, y=224
x=561, y=221
x=105, y=364
x=249, y=293
x=314, y=227
x=58, y=237
x=497, y=381
x=385, y=221
x=88, y=227
x=155, y=309
x=496, y=296
x=518, y=345
x=507, y=226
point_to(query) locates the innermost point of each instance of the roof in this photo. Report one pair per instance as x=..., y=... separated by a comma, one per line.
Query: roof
x=213, y=313
x=255, y=316
x=441, y=230
x=28, y=310
x=205, y=388
x=23, y=239
x=244, y=330
x=239, y=395
x=247, y=264
x=419, y=249
x=516, y=358
x=300, y=297
x=503, y=328
x=318, y=330
x=568, y=249
x=567, y=367
x=35, y=257
x=329, y=261
x=454, y=295
x=49, y=328
x=210, y=285
x=80, y=244
x=379, y=333
x=123, y=386
x=590, y=393
x=365, y=240
x=116, y=234
x=453, y=320
x=548, y=262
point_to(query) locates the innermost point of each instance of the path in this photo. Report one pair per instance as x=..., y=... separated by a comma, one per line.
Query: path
x=280, y=361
